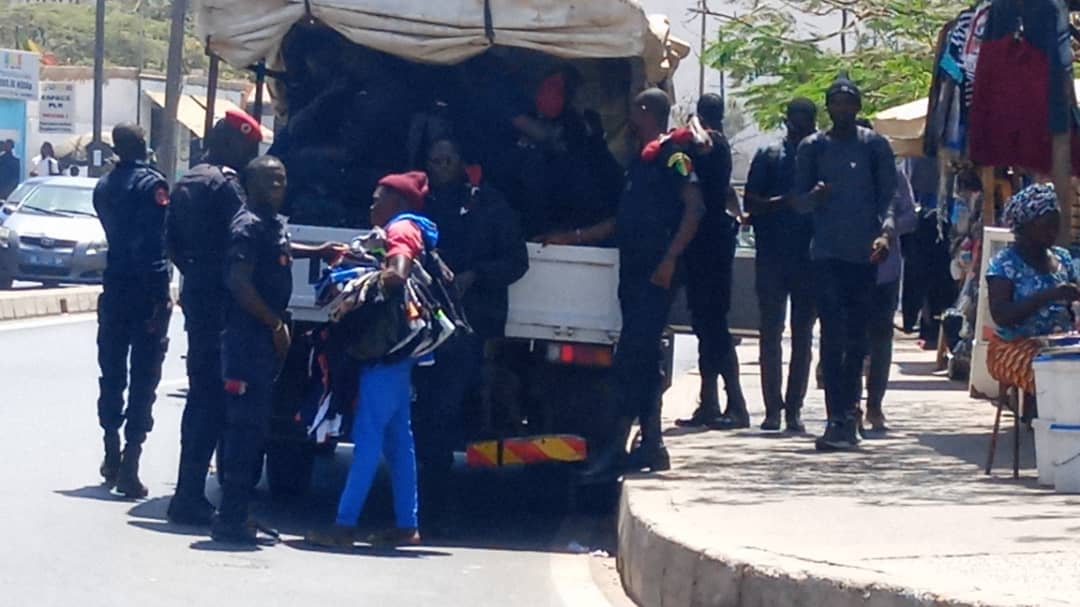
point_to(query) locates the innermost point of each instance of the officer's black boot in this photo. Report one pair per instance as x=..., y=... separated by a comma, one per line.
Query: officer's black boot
x=110, y=466
x=127, y=481
x=609, y=463
x=708, y=410
x=651, y=455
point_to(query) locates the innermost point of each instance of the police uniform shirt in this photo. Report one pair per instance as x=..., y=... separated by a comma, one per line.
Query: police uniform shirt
x=264, y=243
x=651, y=207
x=202, y=207
x=130, y=202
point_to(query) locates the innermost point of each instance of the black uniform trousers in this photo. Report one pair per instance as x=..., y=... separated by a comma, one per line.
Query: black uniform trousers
x=843, y=299
x=710, y=261
x=879, y=330
x=249, y=367
x=132, y=326
x=203, y=422
x=778, y=280
x=638, y=364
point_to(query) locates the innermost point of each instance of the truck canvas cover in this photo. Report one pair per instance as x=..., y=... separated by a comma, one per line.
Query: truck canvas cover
x=243, y=32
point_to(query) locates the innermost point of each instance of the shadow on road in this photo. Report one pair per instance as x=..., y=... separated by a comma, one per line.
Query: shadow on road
x=93, y=492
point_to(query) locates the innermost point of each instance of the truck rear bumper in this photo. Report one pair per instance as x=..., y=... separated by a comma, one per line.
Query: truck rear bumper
x=528, y=450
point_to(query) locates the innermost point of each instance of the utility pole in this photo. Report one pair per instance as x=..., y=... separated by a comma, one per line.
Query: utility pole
x=173, y=76
x=704, y=5
x=96, y=151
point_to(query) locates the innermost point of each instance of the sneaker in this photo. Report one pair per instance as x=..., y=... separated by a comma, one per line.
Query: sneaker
x=794, y=422
x=839, y=436
x=771, y=423
x=392, y=538
x=655, y=459
x=109, y=471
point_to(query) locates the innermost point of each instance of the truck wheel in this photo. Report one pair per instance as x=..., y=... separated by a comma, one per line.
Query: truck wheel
x=288, y=468
x=6, y=282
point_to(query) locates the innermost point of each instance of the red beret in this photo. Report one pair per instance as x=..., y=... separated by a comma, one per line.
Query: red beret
x=245, y=123
x=412, y=185
x=551, y=96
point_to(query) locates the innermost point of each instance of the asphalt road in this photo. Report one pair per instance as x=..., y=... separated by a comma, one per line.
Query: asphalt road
x=68, y=541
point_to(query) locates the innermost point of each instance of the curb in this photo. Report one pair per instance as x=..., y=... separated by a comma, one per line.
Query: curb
x=17, y=305
x=38, y=303
x=659, y=571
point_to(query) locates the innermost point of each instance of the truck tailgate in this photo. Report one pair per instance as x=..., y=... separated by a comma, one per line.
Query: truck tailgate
x=568, y=294
x=306, y=272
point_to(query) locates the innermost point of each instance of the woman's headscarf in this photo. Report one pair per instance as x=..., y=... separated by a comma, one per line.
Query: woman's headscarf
x=1029, y=204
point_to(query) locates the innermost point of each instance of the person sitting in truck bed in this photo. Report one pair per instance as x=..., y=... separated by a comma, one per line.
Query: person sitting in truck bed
x=480, y=239
x=548, y=158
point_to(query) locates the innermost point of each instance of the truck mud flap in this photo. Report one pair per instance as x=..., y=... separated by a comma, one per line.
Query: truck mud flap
x=529, y=450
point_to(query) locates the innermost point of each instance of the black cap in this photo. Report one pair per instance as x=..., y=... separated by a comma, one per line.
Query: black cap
x=843, y=86
x=655, y=102
x=802, y=105
x=711, y=109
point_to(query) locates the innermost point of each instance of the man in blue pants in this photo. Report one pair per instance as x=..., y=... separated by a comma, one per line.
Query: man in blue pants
x=382, y=423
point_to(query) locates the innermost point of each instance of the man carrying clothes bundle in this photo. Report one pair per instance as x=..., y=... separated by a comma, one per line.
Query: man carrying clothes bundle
x=846, y=177
x=204, y=202
x=657, y=219
x=382, y=422
x=256, y=337
x=134, y=309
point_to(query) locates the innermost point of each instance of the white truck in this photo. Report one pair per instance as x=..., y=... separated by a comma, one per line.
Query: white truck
x=564, y=318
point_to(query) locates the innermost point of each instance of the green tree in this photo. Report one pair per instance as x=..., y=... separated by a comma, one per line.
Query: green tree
x=136, y=33
x=772, y=55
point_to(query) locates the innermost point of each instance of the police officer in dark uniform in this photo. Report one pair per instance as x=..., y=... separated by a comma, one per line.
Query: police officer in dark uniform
x=256, y=337
x=203, y=204
x=134, y=309
x=710, y=261
x=657, y=219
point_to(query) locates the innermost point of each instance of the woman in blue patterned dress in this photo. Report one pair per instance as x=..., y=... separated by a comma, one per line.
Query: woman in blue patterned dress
x=1031, y=285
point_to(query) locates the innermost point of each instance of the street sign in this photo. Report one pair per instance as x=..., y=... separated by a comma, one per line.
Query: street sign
x=56, y=112
x=19, y=75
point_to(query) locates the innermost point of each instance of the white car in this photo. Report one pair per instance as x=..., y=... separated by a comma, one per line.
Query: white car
x=49, y=233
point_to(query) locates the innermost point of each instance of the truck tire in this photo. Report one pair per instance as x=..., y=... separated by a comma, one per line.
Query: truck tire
x=6, y=282
x=289, y=468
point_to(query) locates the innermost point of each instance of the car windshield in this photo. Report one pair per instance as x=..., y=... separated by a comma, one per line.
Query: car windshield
x=52, y=199
x=19, y=192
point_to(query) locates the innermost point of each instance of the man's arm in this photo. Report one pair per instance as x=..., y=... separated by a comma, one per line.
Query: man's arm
x=693, y=211
x=585, y=236
x=511, y=259
x=243, y=290
x=810, y=191
x=885, y=182
x=327, y=250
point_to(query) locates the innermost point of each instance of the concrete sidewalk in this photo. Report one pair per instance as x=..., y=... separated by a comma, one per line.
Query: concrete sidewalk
x=748, y=519
x=17, y=304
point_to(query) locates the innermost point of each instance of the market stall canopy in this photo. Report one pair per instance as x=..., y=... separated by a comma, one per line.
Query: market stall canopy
x=243, y=32
x=191, y=112
x=905, y=125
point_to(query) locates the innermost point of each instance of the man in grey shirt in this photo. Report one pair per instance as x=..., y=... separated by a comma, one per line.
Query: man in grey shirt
x=846, y=179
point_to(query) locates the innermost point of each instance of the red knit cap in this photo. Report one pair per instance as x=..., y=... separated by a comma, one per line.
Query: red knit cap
x=551, y=96
x=412, y=185
x=245, y=123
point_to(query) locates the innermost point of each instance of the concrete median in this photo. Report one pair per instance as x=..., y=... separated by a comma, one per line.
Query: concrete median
x=20, y=304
